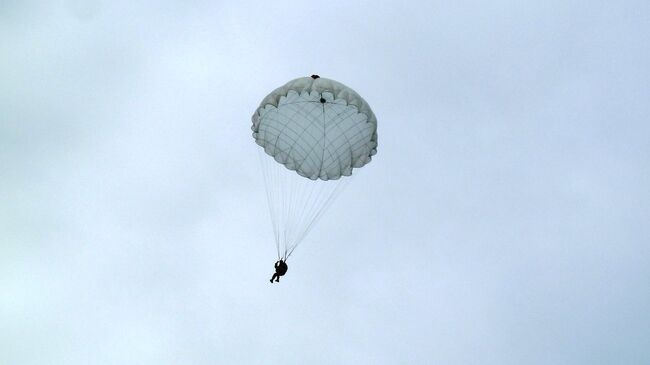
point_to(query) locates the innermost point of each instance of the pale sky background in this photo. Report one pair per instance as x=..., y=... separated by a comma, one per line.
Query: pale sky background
x=504, y=219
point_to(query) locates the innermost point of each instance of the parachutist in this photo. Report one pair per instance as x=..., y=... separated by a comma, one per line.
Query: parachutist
x=280, y=269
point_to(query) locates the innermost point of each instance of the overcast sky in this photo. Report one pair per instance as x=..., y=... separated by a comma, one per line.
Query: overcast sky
x=504, y=219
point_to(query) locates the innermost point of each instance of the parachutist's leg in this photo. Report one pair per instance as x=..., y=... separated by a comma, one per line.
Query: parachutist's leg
x=273, y=277
x=278, y=278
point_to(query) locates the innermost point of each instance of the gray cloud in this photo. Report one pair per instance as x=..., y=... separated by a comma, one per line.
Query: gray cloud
x=503, y=220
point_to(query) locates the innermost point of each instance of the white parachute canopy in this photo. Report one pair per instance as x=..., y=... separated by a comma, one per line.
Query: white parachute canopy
x=313, y=132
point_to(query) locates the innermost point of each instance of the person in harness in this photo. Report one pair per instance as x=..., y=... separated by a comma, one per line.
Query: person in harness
x=280, y=269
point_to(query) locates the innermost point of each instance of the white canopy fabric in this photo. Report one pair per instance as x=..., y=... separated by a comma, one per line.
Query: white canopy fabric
x=317, y=127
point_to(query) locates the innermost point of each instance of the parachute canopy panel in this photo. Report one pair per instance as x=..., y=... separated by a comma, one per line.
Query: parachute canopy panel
x=317, y=127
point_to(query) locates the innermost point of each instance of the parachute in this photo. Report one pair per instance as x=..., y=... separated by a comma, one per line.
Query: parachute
x=313, y=132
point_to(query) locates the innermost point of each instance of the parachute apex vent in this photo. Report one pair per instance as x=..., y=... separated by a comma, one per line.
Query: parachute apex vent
x=315, y=77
